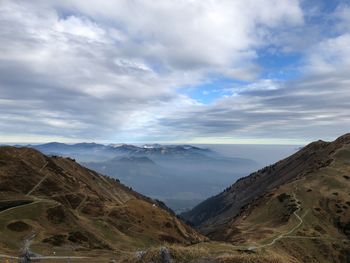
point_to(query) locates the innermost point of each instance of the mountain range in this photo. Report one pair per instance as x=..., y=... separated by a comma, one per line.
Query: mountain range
x=86, y=152
x=296, y=210
x=179, y=175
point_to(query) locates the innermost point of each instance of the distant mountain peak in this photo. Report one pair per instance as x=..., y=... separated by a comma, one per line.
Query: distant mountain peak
x=150, y=146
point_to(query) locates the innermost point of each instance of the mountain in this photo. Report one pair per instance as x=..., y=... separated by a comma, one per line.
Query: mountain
x=165, y=151
x=297, y=210
x=179, y=175
x=70, y=208
x=86, y=152
x=91, y=152
x=80, y=151
x=299, y=206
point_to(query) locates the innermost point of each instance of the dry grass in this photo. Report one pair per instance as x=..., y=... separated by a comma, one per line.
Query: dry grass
x=108, y=214
x=177, y=253
x=180, y=254
x=251, y=259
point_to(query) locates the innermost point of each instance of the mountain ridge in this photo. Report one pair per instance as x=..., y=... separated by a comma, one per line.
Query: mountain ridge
x=68, y=205
x=313, y=156
x=296, y=210
x=299, y=206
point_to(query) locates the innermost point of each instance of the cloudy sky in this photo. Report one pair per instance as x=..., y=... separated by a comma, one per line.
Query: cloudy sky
x=196, y=71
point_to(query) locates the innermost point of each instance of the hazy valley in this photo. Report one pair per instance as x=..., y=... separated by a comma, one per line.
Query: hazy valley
x=289, y=211
x=179, y=175
x=191, y=131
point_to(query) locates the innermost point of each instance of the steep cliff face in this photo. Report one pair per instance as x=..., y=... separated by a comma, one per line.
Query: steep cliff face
x=67, y=205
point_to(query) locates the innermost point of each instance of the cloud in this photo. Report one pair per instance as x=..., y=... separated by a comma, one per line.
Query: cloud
x=315, y=105
x=114, y=70
x=332, y=54
x=310, y=108
x=191, y=34
x=342, y=14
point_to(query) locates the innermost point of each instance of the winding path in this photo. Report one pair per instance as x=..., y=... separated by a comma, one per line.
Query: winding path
x=286, y=235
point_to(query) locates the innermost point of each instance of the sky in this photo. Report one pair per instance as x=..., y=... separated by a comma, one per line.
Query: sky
x=194, y=71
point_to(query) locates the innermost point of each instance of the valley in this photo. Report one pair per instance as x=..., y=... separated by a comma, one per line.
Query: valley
x=151, y=169
x=192, y=131
x=297, y=210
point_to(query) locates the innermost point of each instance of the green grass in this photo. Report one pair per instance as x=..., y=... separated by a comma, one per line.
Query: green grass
x=343, y=154
x=29, y=213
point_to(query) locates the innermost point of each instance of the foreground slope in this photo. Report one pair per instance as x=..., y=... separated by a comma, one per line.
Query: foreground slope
x=300, y=205
x=67, y=207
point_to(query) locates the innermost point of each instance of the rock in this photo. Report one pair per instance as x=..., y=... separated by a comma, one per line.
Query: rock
x=140, y=254
x=165, y=255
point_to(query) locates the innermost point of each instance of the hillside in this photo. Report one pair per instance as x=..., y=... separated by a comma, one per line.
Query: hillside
x=300, y=205
x=70, y=208
x=151, y=168
x=297, y=210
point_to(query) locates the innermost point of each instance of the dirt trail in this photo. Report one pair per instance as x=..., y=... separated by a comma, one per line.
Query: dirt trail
x=39, y=183
x=81, y=203
x=19, y=206
x=119, y=196
x=28, y=256
x=286, y=235
x=7, y=256
x=300, y=219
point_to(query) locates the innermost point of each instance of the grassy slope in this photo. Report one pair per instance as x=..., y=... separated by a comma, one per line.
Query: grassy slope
x=109, y=217
x=324, y=197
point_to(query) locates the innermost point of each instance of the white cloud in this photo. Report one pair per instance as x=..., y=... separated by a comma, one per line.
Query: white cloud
x=77, y=27
x=309, y=109
x=112, y=69
x=342, y=14
x=332, y=54
x=186, y=34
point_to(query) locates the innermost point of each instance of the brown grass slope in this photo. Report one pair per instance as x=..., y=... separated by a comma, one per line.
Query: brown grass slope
x=71, y=208
x=299, y=206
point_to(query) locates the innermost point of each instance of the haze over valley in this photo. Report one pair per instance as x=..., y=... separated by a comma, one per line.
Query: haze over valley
x=179, y=175
x=187, y=131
